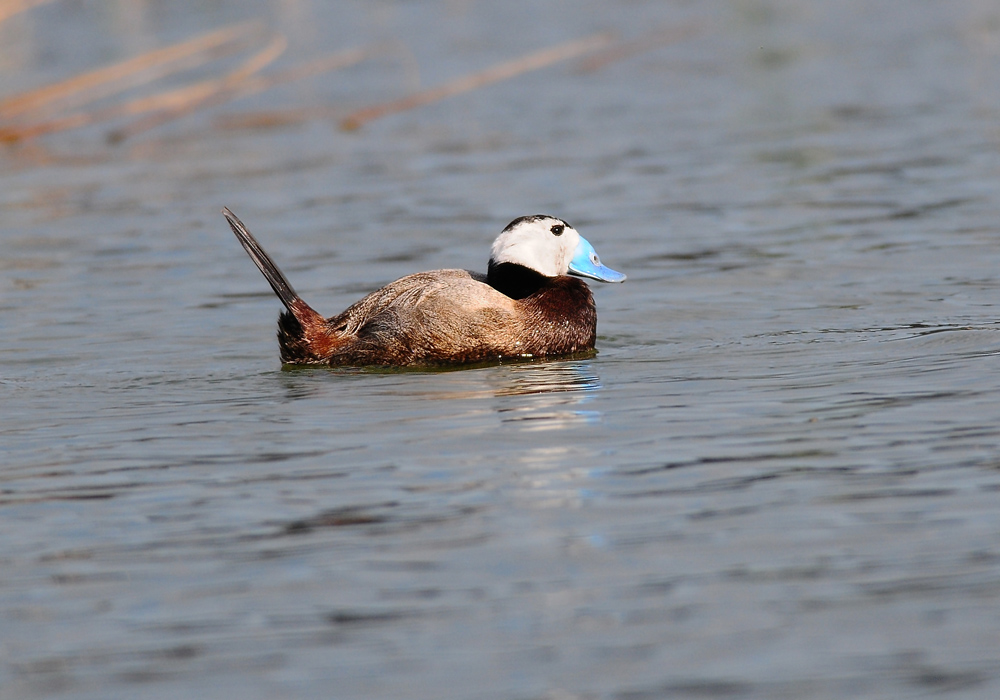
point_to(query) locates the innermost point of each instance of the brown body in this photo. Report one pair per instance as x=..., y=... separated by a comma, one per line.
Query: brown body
x=443, y=317
x=432, y=318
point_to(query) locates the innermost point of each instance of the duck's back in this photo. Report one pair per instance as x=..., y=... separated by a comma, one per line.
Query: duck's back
x=450, y=316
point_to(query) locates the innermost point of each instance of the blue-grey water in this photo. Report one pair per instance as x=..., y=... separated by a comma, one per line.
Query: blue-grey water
x=779, y=478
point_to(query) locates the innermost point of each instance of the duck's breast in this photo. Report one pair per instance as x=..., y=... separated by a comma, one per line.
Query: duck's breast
x=560, y=318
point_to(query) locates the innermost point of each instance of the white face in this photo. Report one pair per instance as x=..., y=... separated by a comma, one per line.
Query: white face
x=544, y=244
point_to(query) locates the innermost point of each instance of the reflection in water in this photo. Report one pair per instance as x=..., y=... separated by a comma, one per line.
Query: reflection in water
x=538, y=378
x=535, y=418
x=547, y=401
x=550, y=377
x=556, y=391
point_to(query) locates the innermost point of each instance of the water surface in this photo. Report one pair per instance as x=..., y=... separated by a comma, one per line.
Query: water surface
x=777, y=479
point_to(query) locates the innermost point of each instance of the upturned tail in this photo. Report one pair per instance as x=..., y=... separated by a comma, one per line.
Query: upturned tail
x=303, y=333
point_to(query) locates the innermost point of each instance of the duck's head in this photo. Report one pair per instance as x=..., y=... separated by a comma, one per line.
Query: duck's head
x=550, y=247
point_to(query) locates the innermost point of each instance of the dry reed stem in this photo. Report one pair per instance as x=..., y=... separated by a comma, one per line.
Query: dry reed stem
x=171, y=99
x=324, y=64
x=130, y=73
x=9, y=8
x=249, y=84
x=646, y=42
x=497, y=73
x=176, y=103
x=274, y=118
x=201, y=94
x=167, y=102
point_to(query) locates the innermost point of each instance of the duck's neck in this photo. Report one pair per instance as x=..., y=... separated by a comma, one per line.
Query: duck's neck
x=516, y=281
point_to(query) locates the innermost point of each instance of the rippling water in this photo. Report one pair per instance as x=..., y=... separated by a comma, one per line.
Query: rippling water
x=777, y=479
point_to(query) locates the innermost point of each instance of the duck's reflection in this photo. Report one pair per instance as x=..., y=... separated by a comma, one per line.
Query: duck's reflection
x=546, y=410
x=547, y=396
x=530, y=424
x=548, y=378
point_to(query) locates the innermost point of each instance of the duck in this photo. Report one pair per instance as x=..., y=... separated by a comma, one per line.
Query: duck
x=531, y=303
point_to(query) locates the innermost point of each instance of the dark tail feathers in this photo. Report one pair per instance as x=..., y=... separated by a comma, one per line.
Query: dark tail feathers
x=279, y=283
x=302, y=332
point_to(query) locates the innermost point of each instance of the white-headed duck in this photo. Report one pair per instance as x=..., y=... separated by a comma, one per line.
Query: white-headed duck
x=525, y=306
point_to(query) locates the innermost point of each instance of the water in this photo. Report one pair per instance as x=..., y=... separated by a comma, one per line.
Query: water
x=777, y=479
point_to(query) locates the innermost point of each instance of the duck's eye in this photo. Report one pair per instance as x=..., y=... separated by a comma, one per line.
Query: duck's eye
x=557, y=229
